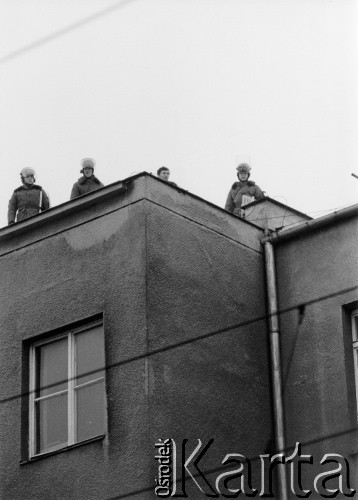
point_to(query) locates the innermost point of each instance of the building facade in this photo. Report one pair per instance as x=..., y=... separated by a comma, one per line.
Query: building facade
x=317, y=286
x=131, y=314
x=139, y=313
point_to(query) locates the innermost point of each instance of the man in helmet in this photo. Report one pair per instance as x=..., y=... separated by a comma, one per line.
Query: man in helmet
x=242, y=191
x=28, y=199
x=88, y=182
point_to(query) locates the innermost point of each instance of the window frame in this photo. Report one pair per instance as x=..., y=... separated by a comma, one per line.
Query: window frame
x=354, y=329
x=71, y=389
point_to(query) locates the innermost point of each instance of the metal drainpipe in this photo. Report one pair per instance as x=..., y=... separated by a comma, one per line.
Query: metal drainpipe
x=276, y=376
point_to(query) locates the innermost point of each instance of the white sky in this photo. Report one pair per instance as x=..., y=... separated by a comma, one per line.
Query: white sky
x=195, y=85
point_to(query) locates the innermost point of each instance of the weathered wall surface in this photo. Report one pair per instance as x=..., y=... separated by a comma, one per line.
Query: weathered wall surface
x=95, y=267
x=162, y=267
x=316, y=268
x=200, y=282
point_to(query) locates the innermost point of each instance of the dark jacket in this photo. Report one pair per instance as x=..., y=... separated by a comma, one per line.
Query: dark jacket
x=25, y=202
x=234, y=198
x=85, y=185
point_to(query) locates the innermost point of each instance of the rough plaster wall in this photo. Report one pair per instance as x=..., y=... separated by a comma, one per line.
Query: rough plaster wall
x=95, y=268
x=217, y=387
x=199, y=282
x=309, y=268
x=210, y=216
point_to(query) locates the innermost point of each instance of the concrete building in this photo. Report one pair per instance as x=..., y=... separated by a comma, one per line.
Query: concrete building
x=317, y=293
x=138, y=312
x=158, y=271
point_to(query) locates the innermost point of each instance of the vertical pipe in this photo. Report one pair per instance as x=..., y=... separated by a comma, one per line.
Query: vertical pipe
x=276, y=376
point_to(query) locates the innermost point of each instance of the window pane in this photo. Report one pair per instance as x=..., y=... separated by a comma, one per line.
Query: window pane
x=89, y=355
x=51, y=423
x=355, y=327
x=90, y=411
x=51, y=367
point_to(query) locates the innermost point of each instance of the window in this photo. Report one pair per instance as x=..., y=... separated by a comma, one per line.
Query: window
x=354, y=317
x=67, y=390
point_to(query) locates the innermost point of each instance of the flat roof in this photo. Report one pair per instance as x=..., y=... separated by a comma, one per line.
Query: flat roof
x=92, y=198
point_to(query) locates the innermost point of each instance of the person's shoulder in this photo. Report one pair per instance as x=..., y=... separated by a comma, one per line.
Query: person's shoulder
x=20, y=188
x=251, y=183
x=97, y=181
x=235, y=185
x=256, y=187
x=36, y=186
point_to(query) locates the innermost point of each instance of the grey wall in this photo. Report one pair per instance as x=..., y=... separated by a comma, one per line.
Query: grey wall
x=80, y=272
x=162, y=267
x=319, y=383
x=218, y=387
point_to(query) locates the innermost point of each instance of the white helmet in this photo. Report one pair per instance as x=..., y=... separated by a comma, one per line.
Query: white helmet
x=27, y=171
x=243, y=167
x=87, y=163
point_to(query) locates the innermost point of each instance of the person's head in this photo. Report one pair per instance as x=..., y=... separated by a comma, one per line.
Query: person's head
x=163, y=173
x=87, y=167
x=28, y=176
x=243, y=171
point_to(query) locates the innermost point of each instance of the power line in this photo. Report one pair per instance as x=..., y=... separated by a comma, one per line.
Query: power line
x=64, y=31
x=187, y=342
x=295, y=215
x=301, y=308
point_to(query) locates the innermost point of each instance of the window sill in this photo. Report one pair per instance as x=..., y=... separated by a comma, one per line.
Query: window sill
x=61, y=450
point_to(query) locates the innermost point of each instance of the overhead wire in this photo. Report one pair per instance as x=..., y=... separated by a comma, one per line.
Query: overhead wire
x=183, y=343
x=72, y=27
x=328, y=210
x=64, y=31
x=286, y=216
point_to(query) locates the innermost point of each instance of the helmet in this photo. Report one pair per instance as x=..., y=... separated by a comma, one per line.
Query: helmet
x=87, y=163
x=27, y=171
x=243, y=167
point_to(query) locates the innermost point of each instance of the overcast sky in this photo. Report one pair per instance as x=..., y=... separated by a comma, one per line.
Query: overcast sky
x=196, y=85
